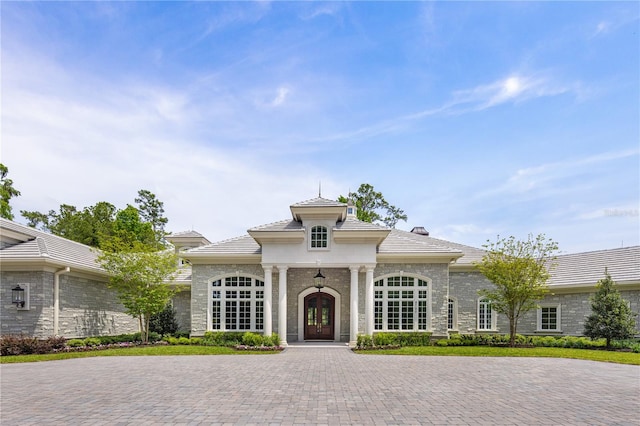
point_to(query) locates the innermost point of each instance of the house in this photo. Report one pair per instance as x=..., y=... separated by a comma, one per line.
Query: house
x=322, y=274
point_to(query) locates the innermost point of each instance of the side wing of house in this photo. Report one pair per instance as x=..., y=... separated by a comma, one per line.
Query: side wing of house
x=63, y=290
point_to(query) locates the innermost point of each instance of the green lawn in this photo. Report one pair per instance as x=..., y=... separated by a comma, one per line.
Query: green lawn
x=134, y=351
x=587, y=354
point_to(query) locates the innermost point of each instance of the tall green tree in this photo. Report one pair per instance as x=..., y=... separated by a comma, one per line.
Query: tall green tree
x=130, y=233
x=519, y=271
x=7, y=192
x=87, y=226
x=103, y=226
x=611, y=317
x=372, y=206
x=152, y=210
x=142, y=281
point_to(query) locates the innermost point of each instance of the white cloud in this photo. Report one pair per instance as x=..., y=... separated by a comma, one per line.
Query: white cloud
x=543, y=178
x=280, y=97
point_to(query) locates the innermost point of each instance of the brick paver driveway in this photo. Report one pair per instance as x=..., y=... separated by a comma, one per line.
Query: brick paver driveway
x=326, y=385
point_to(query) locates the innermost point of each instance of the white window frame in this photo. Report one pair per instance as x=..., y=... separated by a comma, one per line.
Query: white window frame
x=558, y=319
x=415, y=289
x=257, y=284
x=483, y=301
x=454, y=320
x=327, y=232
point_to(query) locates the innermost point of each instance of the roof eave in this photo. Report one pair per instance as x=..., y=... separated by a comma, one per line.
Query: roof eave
x=417, y=257
x=360, y=236
x=284, y=236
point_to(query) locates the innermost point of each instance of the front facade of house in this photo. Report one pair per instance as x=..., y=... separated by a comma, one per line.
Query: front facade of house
x=375, y=279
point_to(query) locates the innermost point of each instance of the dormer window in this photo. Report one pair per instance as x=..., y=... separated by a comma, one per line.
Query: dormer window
x=319, y=237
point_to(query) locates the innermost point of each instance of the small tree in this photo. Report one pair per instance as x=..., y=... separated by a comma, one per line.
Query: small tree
x=164, y=322
x=611, y=316
x=141, y=280
x=519, y=270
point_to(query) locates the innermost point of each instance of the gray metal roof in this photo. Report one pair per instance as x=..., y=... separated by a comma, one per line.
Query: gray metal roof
x=319, y=202
x=186, y=234
x=353, y=224
x=240, y=245
x=42, y=246
x=283, y=225
x=580, y=269
x=406, y=242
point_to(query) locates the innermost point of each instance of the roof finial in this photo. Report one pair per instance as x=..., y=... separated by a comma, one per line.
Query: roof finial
x=320, y=189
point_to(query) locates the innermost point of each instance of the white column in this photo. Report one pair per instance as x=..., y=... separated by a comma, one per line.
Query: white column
x=368, y=308
x=268, y=290
x=282, y=305
x=353, y=331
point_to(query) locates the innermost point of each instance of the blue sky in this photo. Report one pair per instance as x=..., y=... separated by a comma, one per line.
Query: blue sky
x=476, y=118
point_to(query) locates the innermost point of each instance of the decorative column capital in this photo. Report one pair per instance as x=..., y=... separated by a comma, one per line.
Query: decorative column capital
x=267, y=268
x=353, y=268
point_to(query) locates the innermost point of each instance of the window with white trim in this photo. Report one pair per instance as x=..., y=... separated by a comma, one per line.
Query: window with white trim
x=452, y=314
x=319, y=237
x=549, y=318
x=401, y=303
x=486, y=316
x=237, y=303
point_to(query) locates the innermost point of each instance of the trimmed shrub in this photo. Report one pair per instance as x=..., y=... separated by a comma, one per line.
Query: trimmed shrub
x=92, y=341
x=171, y=340
x=364, y=341
x=414, y=339
x=275, y=339
x=222, y=338
x=252, y=339
x=183, y=341
x=76, y=343
x=23, y=345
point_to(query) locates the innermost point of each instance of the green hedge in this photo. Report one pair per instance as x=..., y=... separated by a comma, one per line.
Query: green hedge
x=386, y=339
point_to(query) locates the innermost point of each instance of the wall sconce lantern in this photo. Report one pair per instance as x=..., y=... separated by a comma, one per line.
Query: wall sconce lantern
x=17, y=296
x=319, y=280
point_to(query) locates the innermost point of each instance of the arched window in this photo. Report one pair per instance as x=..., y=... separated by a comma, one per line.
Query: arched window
x=486, y=316
x=237, y=304
x=319, y=237
x=402, y=303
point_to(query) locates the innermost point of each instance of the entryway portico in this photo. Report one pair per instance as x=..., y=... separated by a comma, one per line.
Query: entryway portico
x=335, y=308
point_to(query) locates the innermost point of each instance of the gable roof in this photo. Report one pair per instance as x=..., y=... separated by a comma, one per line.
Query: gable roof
x=22, y=244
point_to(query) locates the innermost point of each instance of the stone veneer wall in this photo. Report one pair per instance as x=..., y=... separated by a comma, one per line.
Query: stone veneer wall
x=463, y=287
x=574, y=310
x=87, y=307
x=574, y=307
x=439, y=275
x=37, y=321
x=182, y=306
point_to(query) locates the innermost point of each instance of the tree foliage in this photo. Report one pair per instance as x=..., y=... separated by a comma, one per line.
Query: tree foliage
x=141, y=280
x=372, y=206
x=7, y=192
x=103, y=226
x=164, y=322
x=152, y=211
x=519, y=271
x=611, y=317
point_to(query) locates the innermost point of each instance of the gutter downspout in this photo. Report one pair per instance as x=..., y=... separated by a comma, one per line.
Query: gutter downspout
x=56, y=298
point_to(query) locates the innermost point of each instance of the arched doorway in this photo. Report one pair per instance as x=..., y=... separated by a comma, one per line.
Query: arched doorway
x=319, y=316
